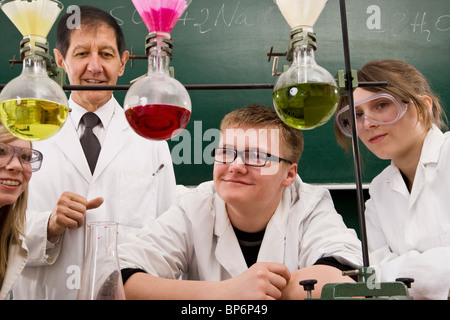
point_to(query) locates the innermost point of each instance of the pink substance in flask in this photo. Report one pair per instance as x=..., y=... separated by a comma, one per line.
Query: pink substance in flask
x=157, y=121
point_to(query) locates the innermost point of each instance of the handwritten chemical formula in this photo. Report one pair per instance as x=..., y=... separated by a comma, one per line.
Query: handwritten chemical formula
x=213, y=15
x=206, y=19
x=401, y=23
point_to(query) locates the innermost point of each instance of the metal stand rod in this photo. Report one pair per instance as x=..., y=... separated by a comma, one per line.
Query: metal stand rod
x=356, y=157
x=249, y=86
x=188, y=87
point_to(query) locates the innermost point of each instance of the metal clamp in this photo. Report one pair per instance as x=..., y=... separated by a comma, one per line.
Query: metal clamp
x=150, y=42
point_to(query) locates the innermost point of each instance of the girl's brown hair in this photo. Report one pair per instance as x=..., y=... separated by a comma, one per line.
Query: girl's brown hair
x=406, y=83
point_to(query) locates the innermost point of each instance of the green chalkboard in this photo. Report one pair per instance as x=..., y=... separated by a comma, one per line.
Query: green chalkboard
x=227, y=41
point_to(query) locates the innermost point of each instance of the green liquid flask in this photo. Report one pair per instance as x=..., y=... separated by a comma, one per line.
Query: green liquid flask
x=306, y=95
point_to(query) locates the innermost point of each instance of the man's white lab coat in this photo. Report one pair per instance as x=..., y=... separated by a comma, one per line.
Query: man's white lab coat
x=195, y=238
x=409, y=233
x=126, y=176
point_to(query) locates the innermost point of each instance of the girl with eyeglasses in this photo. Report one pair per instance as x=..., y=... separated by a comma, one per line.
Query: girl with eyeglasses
x=408, y=213
x=17, y=162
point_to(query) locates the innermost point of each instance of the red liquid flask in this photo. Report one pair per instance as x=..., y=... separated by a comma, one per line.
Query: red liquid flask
x=158, y=122
x=157, y=106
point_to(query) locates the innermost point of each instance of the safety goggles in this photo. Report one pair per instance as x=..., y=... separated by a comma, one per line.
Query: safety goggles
x=30, y=159
x=381, y=108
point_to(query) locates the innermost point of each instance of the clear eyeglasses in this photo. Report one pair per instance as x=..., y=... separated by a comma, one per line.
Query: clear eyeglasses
x=251, y=158
x=30, y=159
x=381, y=108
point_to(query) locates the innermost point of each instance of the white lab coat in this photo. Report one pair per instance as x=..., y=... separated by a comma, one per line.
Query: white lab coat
x=196, y=239
x=409, y=234
x=17, y=259
x=126, y=176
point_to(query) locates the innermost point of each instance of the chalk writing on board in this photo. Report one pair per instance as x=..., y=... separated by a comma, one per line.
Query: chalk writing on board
x=206, y=19
x=417, y=22
x=213, y=18
x=233, y=14
x=424, y=24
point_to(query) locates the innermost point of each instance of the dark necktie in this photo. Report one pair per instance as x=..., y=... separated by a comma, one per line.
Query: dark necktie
x=89, y=142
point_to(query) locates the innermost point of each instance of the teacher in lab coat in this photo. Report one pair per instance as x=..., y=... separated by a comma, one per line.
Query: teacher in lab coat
x=131, y=183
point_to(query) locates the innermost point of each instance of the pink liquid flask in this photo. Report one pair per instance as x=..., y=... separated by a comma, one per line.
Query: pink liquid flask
x=157, y=106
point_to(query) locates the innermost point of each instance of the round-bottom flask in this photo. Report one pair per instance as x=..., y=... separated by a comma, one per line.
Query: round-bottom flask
x=32, y=106
x=306, y=95
x=157, y=106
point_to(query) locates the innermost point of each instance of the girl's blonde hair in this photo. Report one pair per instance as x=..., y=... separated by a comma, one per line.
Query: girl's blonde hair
x=12, y=217
x=406, y=83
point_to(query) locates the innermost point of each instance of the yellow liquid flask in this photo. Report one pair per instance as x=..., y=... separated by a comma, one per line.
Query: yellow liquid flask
x=32, y=119
x=305, y=96
x=33, y=106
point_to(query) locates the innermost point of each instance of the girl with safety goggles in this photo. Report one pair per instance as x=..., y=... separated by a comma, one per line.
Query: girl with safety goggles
x=408, y=220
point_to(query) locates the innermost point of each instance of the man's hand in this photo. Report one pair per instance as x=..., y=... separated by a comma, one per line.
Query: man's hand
x=69, y=213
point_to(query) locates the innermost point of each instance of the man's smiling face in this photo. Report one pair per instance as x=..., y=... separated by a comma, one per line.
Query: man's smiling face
x=92, y=59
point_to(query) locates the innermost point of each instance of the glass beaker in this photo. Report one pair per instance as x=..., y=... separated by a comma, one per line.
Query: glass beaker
x=101, y=278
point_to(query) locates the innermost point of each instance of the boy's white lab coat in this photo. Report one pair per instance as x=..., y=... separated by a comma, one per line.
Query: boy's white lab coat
x=195, y=238
x=17, y=258
x=409, y=233
x=124, y=176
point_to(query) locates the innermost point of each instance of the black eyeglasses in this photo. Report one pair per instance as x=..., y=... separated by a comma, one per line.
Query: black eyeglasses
x=30, y=159
x=249, y=157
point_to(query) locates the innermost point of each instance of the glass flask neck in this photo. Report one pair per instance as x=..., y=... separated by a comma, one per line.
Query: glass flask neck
x=158, y=61
x=160, y=53
x=34, y=65
x=303, y=44
x=303, y=55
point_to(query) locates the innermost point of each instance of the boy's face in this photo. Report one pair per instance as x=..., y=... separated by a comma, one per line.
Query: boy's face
x=245, y=187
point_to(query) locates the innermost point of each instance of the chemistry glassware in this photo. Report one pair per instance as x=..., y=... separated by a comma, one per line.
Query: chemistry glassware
x=305, y=96
x=301, y=13
x=158, y=106
x=160, y=15
x=101, y=278
x=33, y=106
